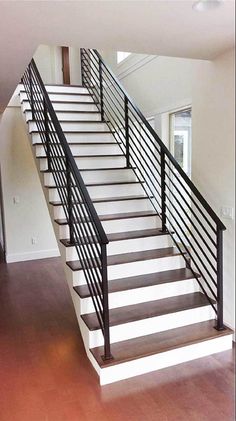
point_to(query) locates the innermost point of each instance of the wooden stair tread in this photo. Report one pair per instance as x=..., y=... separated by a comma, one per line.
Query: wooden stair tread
x=141, y=281
x=77, y=131
x=116, y=155
x=114, y=183
x=136, y=256
x=150, y=309
x=83, y=143
x=69, y=93
x=64, y=101
x=116, y=216
x=106, y=199
x=127, y=235
x=69, y=112
x=156, y=343
x=71, y=121
x=63, y=93
x=65, y=85
x=127, y=215
x=108, y=169
x=119, y=198
x=91, y=169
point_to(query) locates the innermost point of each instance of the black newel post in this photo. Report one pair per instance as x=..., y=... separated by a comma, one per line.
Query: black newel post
x=219, y=242
x=107, y=346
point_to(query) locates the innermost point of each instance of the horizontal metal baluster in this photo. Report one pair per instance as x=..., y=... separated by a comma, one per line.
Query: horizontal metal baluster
x=189, y=254
x=192, y=198
x=190, y=248
x=185, y=212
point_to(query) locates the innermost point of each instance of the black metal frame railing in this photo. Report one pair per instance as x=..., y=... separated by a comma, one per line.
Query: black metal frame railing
x=193, y=225
x=86, y=231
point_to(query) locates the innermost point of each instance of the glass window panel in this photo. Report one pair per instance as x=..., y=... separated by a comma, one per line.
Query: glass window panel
x=122, y=55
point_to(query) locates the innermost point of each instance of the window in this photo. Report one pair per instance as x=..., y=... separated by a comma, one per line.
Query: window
x=180, y=138
x=121, y=55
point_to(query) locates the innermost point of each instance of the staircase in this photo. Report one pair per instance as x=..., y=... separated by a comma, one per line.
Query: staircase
x=141, y=247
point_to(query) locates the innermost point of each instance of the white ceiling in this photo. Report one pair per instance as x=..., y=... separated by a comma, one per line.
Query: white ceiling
x=164, y=27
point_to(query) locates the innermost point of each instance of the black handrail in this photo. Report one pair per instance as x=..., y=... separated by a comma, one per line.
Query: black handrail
x=175, y=197
x=86, y=231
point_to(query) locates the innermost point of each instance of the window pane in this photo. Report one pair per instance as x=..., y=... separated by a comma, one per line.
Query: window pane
x=181, y=138
x=121, y=55
x=179, y=149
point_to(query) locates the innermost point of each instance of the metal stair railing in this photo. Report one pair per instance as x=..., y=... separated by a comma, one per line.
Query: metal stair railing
x=86, y=233
x=185, y=214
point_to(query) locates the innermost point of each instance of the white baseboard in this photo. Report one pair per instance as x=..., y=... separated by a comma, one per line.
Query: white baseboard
x=31, y=255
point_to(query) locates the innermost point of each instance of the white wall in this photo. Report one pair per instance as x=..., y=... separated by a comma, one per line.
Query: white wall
x=158, y=85
x=163, y=83
x=29, y=218
x=213, y=164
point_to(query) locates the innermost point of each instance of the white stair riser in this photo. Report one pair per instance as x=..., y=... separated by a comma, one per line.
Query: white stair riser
x=158, y=361
x=61, y=89
x=116, y=207
x=131, y=245
x=126, y=246
x=106, y=191
x=141, y=295
x=65, y=106
x=123, y=206
x=79, y=126
x=62, y=116
x=80, y=137
x=108, y=176
x=63, y=97
x=67, y=89
x=151, y=325
x=97, y=162
x=134, y=268
x=119, y=225
x=86, y=150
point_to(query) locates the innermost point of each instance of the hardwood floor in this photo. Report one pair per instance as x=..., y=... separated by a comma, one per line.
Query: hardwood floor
x=45, y=375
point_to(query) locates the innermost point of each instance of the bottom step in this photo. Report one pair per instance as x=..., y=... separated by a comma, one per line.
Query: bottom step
x=153, y=352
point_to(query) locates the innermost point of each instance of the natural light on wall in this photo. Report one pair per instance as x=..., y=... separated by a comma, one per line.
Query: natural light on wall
x=121, y=55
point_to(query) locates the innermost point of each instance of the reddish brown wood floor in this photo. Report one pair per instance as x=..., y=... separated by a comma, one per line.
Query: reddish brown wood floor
x=45, y=375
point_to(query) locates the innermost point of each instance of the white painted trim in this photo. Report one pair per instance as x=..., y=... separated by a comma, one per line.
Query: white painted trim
x=133, y=63
x=172, y=108
x=31, y=255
